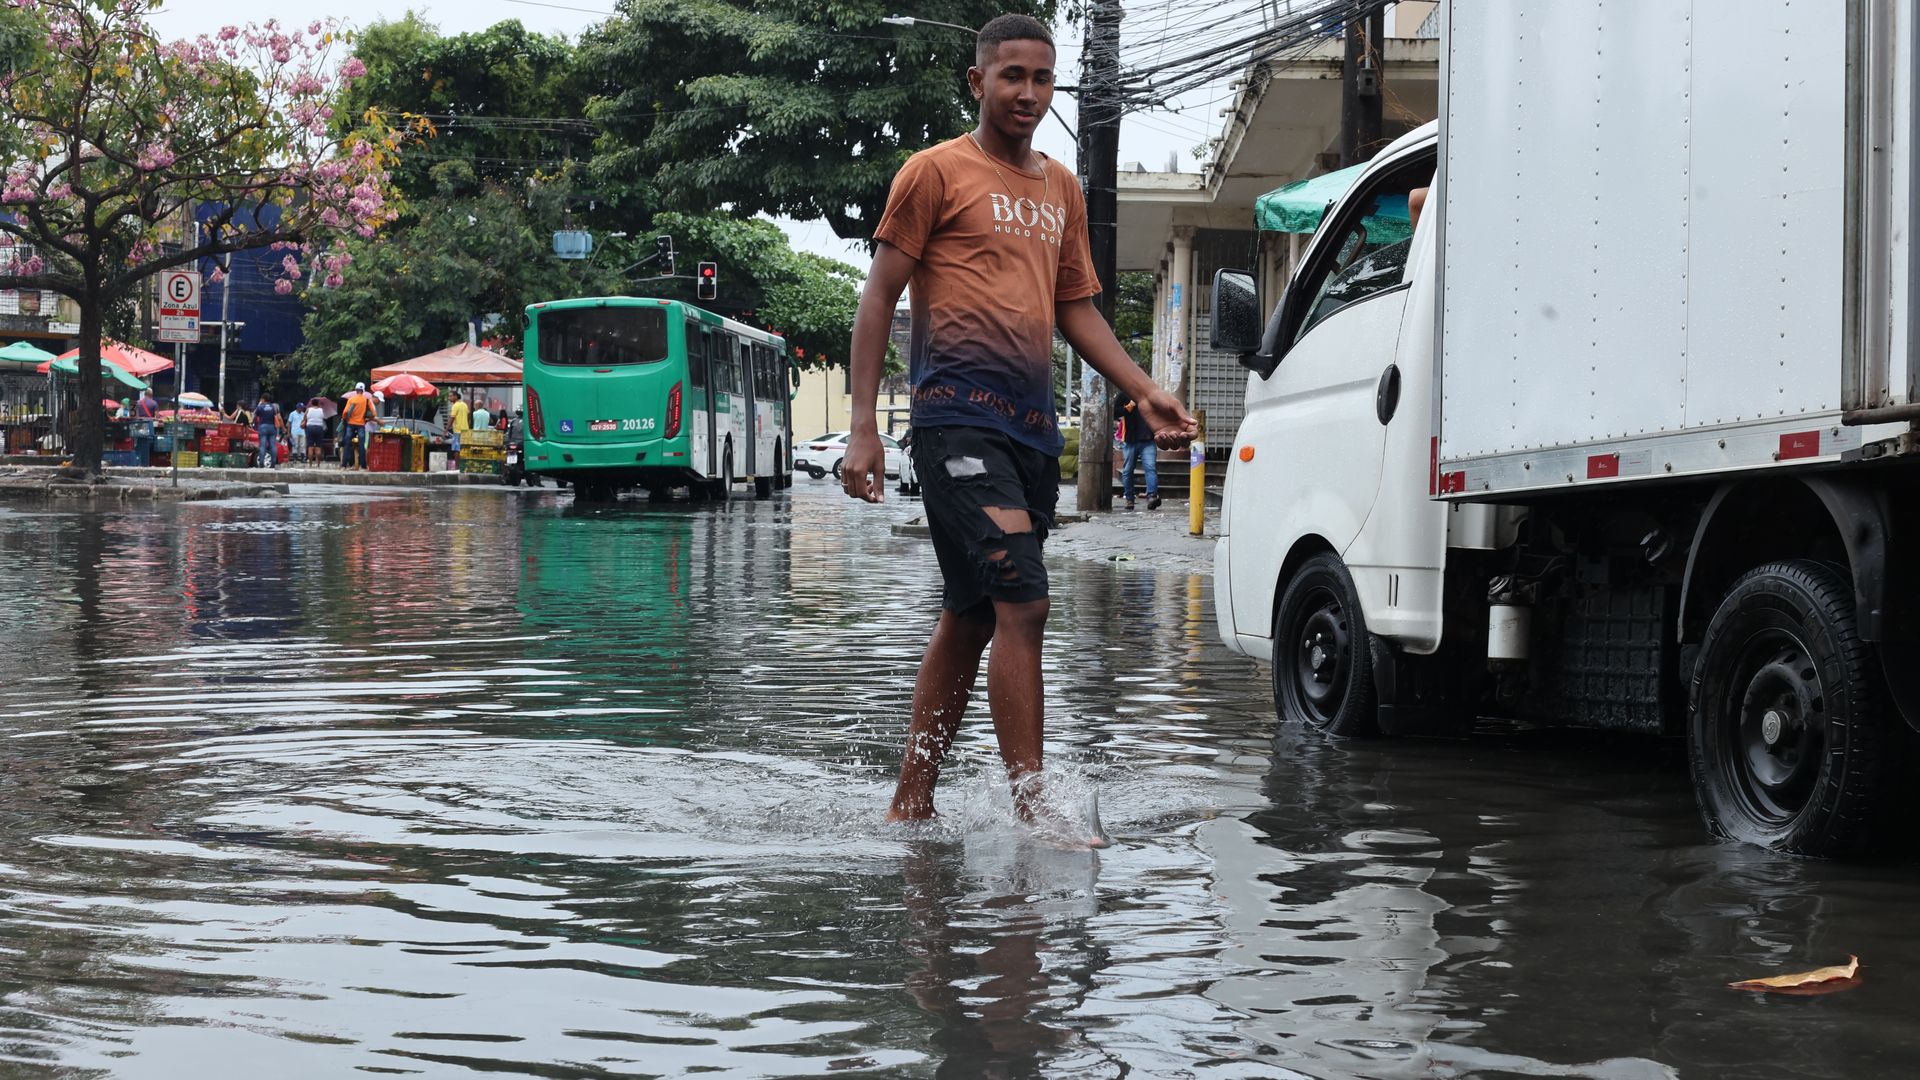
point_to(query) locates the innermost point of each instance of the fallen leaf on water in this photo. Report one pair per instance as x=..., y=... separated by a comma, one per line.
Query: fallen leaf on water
x=1824, y=980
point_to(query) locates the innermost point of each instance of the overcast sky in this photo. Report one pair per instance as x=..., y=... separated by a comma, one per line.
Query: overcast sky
x=1148, y=138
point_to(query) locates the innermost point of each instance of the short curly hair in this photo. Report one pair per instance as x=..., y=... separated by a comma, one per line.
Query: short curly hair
x=1007, y=28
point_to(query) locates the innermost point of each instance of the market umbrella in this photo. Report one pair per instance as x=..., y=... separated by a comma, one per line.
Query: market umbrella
x=127, y=358
x=405, y=385
x=327, y=407
x=109, y=403
x=192, y=400
x=112, y=371
x=20, y=354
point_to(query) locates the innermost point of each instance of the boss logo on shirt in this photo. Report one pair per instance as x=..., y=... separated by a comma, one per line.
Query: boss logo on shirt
x=1019, y=217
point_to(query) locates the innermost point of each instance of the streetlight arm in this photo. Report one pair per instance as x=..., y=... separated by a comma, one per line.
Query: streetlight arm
x=908, y=20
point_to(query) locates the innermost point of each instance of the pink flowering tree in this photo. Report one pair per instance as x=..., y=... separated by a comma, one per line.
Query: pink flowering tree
x=111, y=138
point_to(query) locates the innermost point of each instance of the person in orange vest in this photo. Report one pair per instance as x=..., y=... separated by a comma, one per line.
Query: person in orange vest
x=355, y=415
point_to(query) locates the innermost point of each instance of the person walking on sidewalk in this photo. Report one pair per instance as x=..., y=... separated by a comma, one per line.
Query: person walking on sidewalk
x=1137, y=437
x=297, y=432
x=993, y=238
x=266, y=424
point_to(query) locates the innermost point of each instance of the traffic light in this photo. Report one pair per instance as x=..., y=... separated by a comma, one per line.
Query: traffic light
x=709, y=280
x=663, y=245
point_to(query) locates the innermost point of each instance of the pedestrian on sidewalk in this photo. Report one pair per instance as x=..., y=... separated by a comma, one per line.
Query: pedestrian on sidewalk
x=355, y=415
x=1136, y=435
x=266, y=424
x=297, y=431
x=458, y=424
x=993, y=237
x=316, y=430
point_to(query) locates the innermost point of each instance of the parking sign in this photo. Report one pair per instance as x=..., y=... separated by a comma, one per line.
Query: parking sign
x=179, y=305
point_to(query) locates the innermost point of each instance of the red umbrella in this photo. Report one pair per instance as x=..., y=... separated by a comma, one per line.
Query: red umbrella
x=327, y=407
x=404, y=385
x=110, y=403
x=133, y=361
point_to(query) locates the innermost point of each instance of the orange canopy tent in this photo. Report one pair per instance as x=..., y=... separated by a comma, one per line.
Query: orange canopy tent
x=127, y=358
x=460, y=364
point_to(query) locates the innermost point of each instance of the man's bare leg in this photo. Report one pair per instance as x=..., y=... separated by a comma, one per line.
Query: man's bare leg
x=1018, y=699
x=940, y=695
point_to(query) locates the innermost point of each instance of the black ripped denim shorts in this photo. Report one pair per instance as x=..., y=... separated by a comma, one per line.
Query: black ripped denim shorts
x=965, y=470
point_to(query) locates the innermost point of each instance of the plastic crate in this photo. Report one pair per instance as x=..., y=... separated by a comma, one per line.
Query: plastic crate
x=213, y=442
x=417, y=461
x=233, y=431
x=482, y=455
x=479, y=467
x=388, y=453
x=186, y=459
x=123, y=458
x=486, y=437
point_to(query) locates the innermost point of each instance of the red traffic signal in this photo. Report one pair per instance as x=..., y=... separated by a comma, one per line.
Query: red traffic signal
x=708, y=280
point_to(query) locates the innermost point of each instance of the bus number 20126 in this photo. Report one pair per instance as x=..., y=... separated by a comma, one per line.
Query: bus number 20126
x=644, y=423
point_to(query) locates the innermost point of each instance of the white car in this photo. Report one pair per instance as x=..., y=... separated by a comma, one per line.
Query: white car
x=821, y=455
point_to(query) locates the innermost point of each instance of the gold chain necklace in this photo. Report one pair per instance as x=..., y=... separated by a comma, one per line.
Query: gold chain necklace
x=1046, y=174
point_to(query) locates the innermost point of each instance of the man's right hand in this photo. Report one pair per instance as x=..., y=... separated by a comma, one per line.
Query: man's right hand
x=863, y=471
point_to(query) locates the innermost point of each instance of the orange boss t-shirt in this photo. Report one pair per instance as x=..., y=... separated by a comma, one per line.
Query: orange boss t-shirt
x=998, y=246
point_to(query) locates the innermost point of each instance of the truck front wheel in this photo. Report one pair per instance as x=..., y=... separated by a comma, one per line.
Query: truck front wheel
x=1322, y=654
x=1790, y=736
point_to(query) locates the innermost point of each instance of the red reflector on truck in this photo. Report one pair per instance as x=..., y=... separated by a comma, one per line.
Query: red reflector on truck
x=1433, y=466
x=1601, y=466
x=1453, y=483
x=1800, y=444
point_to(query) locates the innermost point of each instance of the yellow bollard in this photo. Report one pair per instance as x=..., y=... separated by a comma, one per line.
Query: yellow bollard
x=1197, y=478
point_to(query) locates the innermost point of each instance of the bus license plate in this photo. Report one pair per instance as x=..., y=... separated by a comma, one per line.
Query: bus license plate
x=604, y=425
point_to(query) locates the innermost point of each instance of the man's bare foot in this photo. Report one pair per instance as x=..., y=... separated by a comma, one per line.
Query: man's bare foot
x=896, y=816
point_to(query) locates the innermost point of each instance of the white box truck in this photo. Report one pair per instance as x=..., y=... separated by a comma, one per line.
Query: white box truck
x=1594, y=402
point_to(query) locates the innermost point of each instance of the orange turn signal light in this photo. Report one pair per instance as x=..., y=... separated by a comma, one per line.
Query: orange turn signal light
x=1246, y=453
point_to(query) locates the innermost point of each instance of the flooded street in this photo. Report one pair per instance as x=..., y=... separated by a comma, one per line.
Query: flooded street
x=464, y=782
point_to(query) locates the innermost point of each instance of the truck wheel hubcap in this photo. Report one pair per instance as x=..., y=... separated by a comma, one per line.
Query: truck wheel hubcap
x=1320, y=662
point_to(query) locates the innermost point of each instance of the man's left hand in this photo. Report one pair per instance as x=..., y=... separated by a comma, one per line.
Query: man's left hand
x=1172, y=427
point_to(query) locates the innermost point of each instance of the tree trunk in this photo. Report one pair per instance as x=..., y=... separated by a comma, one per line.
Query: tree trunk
x=87, y=424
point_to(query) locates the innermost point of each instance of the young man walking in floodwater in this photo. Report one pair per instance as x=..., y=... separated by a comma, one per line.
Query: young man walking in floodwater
x=993, y=238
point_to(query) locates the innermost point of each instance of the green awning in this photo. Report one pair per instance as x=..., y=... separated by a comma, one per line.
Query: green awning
x=20, y=354
x=1298, y=207
x=115, y=371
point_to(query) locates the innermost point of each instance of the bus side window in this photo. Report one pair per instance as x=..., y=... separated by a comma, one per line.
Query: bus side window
x=696, y=356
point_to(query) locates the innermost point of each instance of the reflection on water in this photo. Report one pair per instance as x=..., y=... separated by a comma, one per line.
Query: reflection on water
x=476, y=782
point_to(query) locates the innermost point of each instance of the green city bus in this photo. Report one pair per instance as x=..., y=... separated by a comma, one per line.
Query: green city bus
x=633, y=392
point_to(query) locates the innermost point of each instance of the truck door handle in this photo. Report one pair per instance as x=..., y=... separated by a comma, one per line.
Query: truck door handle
x=1387, y=397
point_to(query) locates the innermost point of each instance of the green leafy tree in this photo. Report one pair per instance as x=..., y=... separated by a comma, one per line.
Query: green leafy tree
x=507, y=101
x=783, y=107
x=1133, y=315
x=469, y=250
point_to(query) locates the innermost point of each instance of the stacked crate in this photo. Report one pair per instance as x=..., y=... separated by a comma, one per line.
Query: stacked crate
x=483, y=451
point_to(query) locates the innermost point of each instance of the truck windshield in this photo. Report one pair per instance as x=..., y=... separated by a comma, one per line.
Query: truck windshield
x=603, y=336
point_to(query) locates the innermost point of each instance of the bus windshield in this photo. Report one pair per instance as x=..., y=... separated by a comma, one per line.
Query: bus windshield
x=603, y=336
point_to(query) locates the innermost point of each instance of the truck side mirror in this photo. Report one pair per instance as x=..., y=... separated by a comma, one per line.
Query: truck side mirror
x=1234, y=320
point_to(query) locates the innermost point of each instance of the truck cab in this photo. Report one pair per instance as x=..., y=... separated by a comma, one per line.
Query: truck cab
x=1608, y=422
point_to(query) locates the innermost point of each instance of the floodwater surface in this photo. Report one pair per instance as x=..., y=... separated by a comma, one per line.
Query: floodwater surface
x=473, y=782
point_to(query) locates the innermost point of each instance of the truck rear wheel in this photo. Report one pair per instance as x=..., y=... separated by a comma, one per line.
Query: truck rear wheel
x=1790, y=735
x=1322, y=654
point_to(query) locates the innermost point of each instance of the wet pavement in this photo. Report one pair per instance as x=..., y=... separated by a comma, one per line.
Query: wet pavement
x=469, y=781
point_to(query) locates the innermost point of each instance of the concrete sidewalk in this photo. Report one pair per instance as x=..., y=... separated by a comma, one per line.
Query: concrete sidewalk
x=1142, y=538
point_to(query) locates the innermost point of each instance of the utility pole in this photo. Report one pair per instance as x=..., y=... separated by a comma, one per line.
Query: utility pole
x=226, y=297
x=1360, y=98
x=1099, y=153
